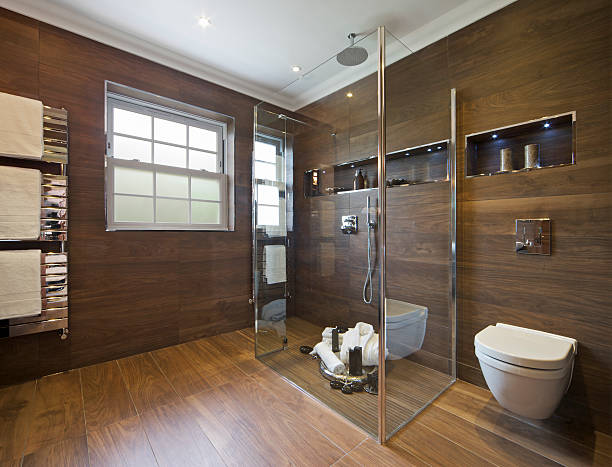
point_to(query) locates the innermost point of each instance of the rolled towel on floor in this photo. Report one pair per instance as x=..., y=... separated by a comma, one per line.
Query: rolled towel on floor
x=333, y=363
x=369, y=353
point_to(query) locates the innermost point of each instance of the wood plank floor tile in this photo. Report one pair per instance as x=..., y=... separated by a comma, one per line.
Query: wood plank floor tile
x=120, y=444
x=147, y=384
x=176, y=437
x=494, y=448
x=58, y=411
x=238, y=439
x=343, y=433
x=183, y=376
x=205, y=358
x=105, y=395
x=71, y=452
x=433, y=448
x=16, y=405
x=460, y=401
x=371, y=453
x=11, y=463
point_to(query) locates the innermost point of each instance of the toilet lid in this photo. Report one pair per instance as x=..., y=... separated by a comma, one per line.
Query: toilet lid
x=525, y=347
x=404, y=313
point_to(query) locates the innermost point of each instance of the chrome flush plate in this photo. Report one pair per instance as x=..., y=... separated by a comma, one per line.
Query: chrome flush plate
x=533, y=236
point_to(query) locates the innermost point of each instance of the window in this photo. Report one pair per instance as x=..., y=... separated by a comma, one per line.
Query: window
x=269, y=174
x=166, y=169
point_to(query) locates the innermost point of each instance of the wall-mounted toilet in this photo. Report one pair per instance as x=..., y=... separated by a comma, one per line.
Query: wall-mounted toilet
x=406, y=324
x=527, y=371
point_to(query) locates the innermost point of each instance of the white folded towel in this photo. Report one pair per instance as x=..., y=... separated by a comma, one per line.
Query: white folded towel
x=275, y=264
x=332, y=362
x=19, y=283
x=19, y=203
x=21, y=131
x=326, y=336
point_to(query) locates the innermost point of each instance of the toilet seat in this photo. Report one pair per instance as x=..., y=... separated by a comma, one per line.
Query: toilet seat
x=525, y=349
x=522, y=371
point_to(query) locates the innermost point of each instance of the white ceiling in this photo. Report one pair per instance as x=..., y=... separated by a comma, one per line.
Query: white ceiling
x=252, y=44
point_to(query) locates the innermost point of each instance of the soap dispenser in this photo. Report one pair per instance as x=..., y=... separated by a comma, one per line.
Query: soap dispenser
x=358, y=181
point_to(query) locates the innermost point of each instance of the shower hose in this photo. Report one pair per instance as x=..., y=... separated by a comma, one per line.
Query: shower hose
x=367, y=285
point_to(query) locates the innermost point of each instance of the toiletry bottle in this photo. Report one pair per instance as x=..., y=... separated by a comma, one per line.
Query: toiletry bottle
x=366, y=182
x=356, y=180
x=360, y=181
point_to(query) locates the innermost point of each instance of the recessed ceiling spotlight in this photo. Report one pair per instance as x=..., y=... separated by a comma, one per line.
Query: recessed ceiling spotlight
x=296, y=68
x=204, y=22
x=439, y=147
x=349, y=94
x=547, y=125
x=407, y=153
x=428, y=149
x=494, y=135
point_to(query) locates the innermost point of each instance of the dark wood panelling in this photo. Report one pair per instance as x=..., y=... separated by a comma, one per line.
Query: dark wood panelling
x=129, y=291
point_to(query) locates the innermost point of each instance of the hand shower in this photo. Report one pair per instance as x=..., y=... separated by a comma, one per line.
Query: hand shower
x=367, y=285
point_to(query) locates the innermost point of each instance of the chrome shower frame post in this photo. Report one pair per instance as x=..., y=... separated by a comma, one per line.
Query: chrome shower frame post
x=452, y=157
x=382, y=227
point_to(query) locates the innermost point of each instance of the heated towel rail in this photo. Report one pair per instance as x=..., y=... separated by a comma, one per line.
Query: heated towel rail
x=53, y=230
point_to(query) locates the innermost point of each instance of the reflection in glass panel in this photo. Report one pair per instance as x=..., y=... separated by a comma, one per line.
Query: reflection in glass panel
x=170, y=155
x=267, y=215
x=265, y=171
x=133, y=209
x=176, y=186
x=200, y=160
x=265, y=152
x=133, y=181
x=204, y=212
x=131, y=123
x=131, y=149
x=174, y=211
x=170, y=132
x=205, y=188
x=202, y=139
x=267, y=195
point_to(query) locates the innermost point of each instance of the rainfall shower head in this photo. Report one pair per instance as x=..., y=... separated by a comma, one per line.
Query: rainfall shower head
x=353, y=55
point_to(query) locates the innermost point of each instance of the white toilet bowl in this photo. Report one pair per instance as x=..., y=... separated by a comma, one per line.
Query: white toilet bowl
x=406, y=324
x=527, y=371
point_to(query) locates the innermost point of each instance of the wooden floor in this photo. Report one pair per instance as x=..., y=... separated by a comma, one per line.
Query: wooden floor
x=209, y=402
x=410, y=386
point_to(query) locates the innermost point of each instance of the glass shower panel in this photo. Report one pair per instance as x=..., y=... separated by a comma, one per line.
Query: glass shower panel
x=270, y=241
x=419, y=211
x=330, y=148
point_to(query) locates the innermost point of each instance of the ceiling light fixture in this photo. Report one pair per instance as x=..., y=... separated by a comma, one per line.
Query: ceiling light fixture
x=494, y=135
x=204, y=21
x=547, y=125
x=349, y=94
x=296, y=68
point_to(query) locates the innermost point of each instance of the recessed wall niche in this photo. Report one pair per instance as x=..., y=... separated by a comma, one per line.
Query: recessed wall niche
x=550, y=142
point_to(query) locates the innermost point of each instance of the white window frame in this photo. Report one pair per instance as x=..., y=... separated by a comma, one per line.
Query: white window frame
x=224, y=164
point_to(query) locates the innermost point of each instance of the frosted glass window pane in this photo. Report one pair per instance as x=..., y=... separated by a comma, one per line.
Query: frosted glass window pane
x=170, y=132
x=131, y=149
x=176, y=186
x=174, y=211
x=265, y=171
x=265, y=152
x=170, y=155
x=267, y=195
x=202, y=139
x=133, y=209
x=204, y=188
x=199, y=160
x=133, y=181
x=267, y=215
x=131, y=123
x=203, y=212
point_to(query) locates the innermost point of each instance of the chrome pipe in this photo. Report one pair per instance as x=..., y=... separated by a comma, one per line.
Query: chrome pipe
x=382, y=200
